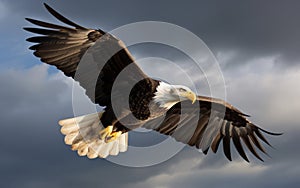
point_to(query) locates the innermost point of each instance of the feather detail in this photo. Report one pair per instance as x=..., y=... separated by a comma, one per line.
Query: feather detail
x=82, y=133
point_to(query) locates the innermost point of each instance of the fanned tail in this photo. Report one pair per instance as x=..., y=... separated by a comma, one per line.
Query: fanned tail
x=82, y=133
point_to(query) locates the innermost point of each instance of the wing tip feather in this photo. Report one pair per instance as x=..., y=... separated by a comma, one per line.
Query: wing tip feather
x=62, y=18
x=270, y=133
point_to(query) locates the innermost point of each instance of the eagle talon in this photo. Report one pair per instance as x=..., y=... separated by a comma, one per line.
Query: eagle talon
x=106, y=132
x=113, y=136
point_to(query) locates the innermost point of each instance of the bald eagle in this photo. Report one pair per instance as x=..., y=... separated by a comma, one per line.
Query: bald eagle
x=199, y=121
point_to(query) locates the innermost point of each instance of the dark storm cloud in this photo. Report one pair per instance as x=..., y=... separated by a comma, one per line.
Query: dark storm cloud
x=251, y=28
x=32, y=101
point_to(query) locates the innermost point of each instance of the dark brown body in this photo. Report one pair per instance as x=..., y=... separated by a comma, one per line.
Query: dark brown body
x=141, y=108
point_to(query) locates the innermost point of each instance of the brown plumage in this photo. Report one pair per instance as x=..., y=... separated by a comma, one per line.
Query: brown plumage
x=64, y=47
x=203, y=124
x=209, y=122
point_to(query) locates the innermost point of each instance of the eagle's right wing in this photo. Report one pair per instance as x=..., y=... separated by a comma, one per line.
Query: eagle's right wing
x=208, y=122
x=64, y=47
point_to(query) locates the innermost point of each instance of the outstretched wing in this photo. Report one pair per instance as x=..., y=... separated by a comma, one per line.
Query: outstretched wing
x=64, y=47
x=206, y=123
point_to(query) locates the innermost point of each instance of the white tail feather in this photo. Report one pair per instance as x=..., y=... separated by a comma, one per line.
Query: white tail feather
x=82, y=133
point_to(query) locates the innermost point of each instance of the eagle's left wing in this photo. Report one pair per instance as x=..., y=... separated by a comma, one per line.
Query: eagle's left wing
x=105, y=56
x=206, y=123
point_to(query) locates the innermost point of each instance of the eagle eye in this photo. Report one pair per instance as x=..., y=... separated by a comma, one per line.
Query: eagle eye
x=182, y=90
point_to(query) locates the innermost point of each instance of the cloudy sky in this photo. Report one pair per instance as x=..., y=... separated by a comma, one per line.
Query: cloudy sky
x=256, y=43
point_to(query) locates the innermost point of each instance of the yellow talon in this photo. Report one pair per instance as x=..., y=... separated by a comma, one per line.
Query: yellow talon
x=106, y=132
x=113, y=136
x=107, y=135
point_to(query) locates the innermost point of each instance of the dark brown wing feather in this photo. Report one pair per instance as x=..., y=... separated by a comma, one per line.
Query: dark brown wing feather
x=64, y=47
x=206, y=123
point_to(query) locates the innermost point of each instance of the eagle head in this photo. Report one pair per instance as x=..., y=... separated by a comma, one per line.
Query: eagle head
x=167, y=95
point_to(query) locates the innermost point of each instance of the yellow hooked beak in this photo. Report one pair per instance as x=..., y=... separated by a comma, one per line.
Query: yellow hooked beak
x=191, y=96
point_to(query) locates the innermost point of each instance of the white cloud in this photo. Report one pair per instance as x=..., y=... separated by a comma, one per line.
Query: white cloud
x=266, y=92
x=31, y=86
x=185, y=171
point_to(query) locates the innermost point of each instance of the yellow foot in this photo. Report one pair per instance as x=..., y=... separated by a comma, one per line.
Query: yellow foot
x=106, y=132
x=113, y=136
